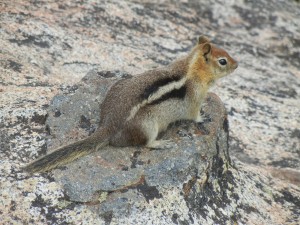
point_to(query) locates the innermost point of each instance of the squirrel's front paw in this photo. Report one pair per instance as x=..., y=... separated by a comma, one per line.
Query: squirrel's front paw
x=200, y=118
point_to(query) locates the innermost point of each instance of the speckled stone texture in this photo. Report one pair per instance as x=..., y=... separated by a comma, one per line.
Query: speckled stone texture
x=64, y=48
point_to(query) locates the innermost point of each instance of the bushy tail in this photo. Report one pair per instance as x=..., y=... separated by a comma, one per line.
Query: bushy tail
x=68, y=153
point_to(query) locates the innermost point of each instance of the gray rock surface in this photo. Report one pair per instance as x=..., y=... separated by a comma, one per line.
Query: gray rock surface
x=47, y=47
x=115, y=169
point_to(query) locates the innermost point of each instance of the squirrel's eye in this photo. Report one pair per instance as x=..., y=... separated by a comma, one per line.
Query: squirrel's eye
x=223, y=62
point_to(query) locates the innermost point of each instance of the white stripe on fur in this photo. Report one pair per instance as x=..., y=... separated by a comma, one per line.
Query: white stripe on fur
x=156, y=95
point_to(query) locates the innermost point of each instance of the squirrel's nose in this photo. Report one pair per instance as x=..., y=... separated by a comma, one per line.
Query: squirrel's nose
x=235, y=65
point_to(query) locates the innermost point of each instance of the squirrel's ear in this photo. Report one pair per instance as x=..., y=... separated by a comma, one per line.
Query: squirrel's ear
x=206, y=48
x=202, y=40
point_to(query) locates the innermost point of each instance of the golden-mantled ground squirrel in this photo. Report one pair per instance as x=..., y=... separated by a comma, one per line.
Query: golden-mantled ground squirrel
x=137, y=109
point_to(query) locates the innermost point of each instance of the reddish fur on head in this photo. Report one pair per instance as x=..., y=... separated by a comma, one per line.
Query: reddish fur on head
x=209, y=62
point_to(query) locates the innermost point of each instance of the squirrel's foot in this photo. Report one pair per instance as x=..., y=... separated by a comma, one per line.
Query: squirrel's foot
x=203, y=118
x=200, y=118
x=161, y=144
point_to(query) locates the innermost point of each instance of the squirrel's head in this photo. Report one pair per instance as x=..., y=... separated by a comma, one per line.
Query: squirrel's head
x=210, y=62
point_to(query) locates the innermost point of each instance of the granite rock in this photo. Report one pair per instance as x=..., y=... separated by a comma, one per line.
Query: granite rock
x=53, y=50
x=114, y=169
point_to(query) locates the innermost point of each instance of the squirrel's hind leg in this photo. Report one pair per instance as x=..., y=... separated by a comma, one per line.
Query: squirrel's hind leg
x=140, y=134
x=152, y=131
x=130, y=135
